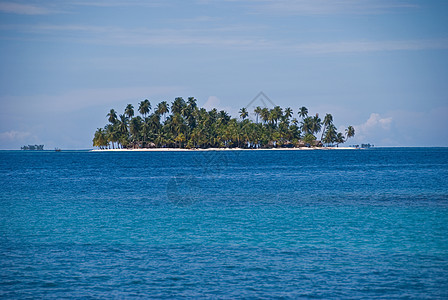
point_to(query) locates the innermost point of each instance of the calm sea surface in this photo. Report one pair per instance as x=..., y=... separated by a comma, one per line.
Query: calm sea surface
x=228, y=224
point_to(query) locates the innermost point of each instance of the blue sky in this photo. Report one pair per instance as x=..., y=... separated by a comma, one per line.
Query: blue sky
x=381, y=66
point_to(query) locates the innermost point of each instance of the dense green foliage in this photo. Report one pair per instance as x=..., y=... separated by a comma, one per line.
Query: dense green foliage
x=189, y=126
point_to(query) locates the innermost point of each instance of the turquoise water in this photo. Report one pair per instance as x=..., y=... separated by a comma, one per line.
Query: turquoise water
x=292, y=224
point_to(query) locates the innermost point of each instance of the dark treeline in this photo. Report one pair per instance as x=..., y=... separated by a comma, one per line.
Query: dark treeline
x=184, y=125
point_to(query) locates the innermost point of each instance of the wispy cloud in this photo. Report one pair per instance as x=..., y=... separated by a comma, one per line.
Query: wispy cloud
x=370, y=46
x=54, y=6
x=13, y=135
x=288, y=7
x=226, y=36
x=23, y=9
x=119, y=3
x=231, y=37
x=328, y=7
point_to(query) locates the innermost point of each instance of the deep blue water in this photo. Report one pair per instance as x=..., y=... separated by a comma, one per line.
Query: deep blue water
x=293, y=224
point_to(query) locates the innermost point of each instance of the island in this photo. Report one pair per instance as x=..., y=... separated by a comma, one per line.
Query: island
x=184, y=125
x=33, y=147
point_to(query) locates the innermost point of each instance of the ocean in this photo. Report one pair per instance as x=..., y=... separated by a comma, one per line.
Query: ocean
x=225, y=224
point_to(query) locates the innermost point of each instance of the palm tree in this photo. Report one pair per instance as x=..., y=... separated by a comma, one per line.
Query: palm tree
x=123, y=125
x=178, y=105
x=99, y=139
x=303, y=112
x=316, y=124
x=154, y=123
x=264, y=114
x=339, y=139
x=288, y=113
x=129, y=111
x=122, y=128
x=112, y=116
x=178, y=128
x=192, y=102
x=144, y=107
x=243, y=113
x=283, y=130
x=162, y=109
x=294, y=131
x=134, y=128
x=145, y=130
x=223, y=117
x=271, y=117
x=309, y=139
x=111, y=134
x=349, y=132
x=257, y=112
x=330, y=135
x=276, y=114
x=307, y=125
x=327, y=121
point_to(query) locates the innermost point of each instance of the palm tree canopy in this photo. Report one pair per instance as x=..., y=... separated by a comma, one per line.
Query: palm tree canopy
x=243, y=113
x=330, y=134
x=123, y=124
x=192, y=102
x=144, y=107
x=163, y=108
x=276, y=114
x=288, y=112
x=340, y=138
x=135, y=126
x=316, y=124
x=264, y=114
x=129, y=111
x=350, y=132
x=178, y=105
x=99, y=139
x=328, y=119
x=257, y=112
x=303, y=112
x=307, y=125
x=112, y=116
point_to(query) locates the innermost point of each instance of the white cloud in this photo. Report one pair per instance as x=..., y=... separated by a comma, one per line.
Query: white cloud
x=215, y=102
x=404, y=128
x=371, y=130
x=212, y=102
x=376, y=121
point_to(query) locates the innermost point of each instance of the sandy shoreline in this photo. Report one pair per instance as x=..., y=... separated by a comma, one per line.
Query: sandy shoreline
x=222, y=149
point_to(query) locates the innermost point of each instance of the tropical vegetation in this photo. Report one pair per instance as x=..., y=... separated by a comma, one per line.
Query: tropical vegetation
x=182, y=124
